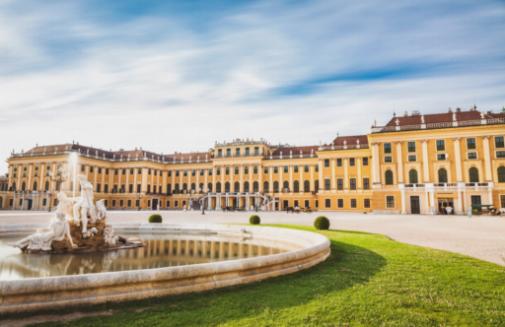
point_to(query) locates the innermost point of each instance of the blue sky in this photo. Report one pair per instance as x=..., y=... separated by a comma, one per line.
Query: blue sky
x=179, y=75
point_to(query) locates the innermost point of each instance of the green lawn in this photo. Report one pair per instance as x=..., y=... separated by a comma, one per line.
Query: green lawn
x=369, y=280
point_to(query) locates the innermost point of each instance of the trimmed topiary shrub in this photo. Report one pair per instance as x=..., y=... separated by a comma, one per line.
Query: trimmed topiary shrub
x=322, y=223
x=254, y=220
x=155, y=218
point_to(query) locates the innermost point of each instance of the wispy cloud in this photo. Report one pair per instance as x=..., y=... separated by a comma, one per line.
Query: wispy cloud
x=178, y=75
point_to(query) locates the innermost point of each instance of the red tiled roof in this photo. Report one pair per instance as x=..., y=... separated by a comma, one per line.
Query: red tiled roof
x=295, y=150
x=362, y=140
x=458, y=115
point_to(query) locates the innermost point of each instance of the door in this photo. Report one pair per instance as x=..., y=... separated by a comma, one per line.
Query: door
x=415, y=207
x=30, y=203
x=154, y=204
x=285, y=204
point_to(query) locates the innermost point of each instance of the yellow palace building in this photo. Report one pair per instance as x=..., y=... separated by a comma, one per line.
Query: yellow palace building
x=435, y=163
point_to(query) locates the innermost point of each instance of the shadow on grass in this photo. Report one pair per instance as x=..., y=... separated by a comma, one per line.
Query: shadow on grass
x=348, y=265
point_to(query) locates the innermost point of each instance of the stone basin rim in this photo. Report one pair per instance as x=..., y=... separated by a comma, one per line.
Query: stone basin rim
x=25, y=294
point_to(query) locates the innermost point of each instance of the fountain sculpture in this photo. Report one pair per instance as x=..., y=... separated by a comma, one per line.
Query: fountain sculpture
x=79, y=225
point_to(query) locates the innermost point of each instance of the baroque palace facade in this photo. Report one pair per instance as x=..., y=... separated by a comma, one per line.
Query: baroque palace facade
x=414, y=164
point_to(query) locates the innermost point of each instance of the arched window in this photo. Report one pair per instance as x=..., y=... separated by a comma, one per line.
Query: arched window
x=35, y=186
x=306, y=186
x=442, y=175
x=246, y=187
x=473, y=175
x=276, y=187
x=265, y=187
x=236, y=187
x=13, y=187
x=256, y=187
x=388, y=177
x=23, y=186
x=218, y=187
x=47, y=186
x=193, y=187
x=501, y=174
x=413, y=176
x=209, y=187
x=227, y=187
x=185, y=187
x=296, y=186
x=285, y=186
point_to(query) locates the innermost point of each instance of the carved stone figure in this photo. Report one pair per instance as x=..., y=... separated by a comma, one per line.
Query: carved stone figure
x=65, y=205
x=101, y=210
x=84, y=207
x=58, y=230
x=79, y=225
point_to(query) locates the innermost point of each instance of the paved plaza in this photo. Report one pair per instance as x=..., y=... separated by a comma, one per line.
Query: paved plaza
x=479, y=237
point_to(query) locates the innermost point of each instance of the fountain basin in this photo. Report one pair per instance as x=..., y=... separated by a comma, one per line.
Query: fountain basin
x=298, y=250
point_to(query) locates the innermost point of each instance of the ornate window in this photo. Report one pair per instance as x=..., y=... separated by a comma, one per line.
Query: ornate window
x=388, y=177
x=442, y=175
x=501, y=174
x=413, y=177
x=473, y=175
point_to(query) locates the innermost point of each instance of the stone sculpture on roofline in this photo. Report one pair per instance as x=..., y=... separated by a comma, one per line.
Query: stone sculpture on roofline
x=79, y=225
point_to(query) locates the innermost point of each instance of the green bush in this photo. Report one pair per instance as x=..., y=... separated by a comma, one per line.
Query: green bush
x=322, y=223
x=254, y=220
x=155, y=218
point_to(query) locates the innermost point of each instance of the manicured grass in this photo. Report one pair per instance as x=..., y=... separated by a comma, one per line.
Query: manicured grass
x=369, y=280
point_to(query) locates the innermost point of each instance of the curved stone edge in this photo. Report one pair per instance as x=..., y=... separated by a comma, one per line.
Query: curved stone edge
x=37, y=294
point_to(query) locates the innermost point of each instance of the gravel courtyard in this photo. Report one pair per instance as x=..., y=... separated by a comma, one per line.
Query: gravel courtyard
x=479, y=237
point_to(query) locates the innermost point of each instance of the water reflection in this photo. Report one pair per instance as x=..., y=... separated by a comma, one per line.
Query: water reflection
x=156, y=253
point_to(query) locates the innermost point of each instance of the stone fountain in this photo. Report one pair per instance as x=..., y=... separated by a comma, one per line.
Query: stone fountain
x=79, y=225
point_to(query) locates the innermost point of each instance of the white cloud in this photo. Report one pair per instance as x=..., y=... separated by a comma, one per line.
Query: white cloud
x=153, y=82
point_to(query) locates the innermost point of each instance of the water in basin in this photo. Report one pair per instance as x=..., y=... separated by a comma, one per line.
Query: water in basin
x=158, y=251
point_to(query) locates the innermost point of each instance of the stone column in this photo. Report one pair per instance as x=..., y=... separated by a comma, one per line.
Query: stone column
x=346, y=173
x=312, y=184
x=291, y=168
x=457, y=160
x=376, y=178
x=487, y=160
x=206, y=180
x=359, y=180
x=143, y=187
x=399, y=163
x=197, y=172
x=281, y=179
x=260, y=178
x=95, y=176
x=214, y=180
x=333, y=175
x=241, y=178
x=30, y=178
x=300, y=179
x=320, y=173
x=271, y=177
x=426, y=164
x=223, y=171
x=403, y=199
x=102, y=180
x=119, y=180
